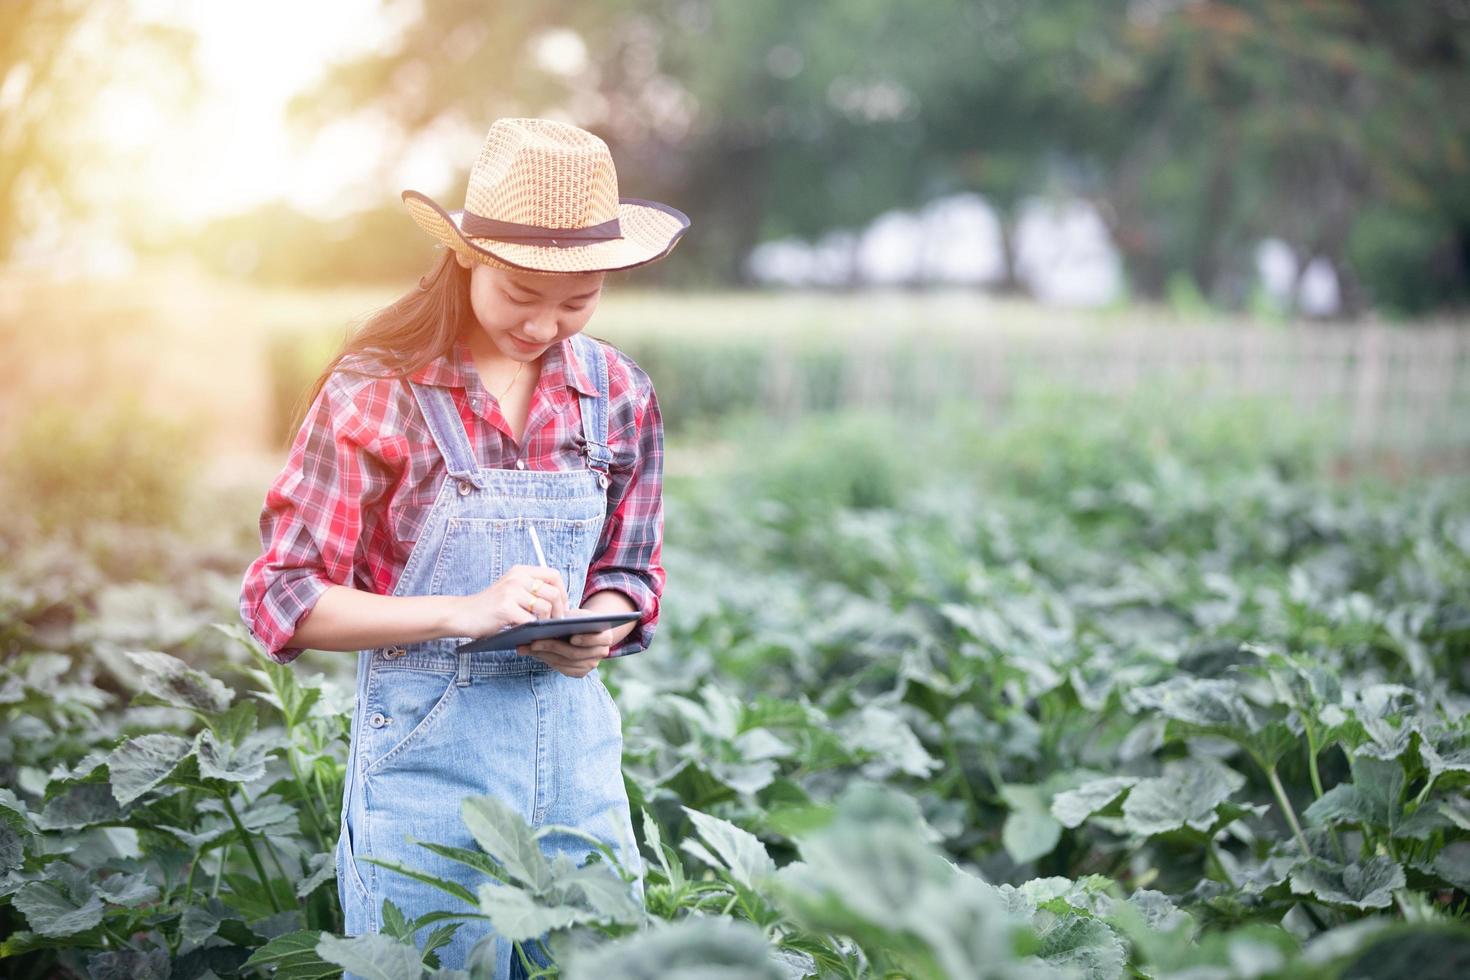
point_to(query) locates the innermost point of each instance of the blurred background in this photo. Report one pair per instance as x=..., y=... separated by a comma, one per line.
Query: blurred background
x=896, y=208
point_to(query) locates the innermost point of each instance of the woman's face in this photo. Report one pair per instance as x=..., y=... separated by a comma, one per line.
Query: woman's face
x=524, y=313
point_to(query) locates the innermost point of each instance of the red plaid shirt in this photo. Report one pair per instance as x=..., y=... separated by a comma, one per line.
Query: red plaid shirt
x=364, y=472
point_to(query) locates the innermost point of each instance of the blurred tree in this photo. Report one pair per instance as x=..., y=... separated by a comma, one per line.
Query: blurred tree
x=55, y=57
x=1197, y=128
x=1219, y=123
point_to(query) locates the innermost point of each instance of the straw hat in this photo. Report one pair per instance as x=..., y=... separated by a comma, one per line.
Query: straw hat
x=543, y=196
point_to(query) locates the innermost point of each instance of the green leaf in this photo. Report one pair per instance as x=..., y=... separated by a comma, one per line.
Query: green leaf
x=129, y=964
x=695, y=948
x=506, y=836
x=63, y=904
x=235, y=725
x=200, y=921
x=80, y=805
x=321, y=869
x=1361, y=886
x=12, y=847
x=236, y=763
x=130, y=890
x=1074, y=806
x=518, y=916
x=1340, y=804
x=739, y=852
x=373, y=956
x=175, y=683
x=294, y=957
x=1083, y=944
x=1184, y=797
x=478, y=860
x=1030, y=831
x=449, y=887
x=600, y=887
x=140, y=764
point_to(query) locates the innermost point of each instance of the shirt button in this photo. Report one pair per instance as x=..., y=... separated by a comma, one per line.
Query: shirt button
x=464, y=487
x=378, y=719
x=520, y=464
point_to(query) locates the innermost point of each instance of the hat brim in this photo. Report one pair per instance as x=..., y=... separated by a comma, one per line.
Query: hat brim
x=650, y=231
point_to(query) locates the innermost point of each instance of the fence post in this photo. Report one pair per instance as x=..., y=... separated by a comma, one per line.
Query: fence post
x=1367, y=384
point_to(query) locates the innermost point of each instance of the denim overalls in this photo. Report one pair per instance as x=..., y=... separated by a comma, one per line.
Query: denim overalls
x=433, y=726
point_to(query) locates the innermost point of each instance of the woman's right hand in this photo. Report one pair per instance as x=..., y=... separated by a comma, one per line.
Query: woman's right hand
x=524, y=593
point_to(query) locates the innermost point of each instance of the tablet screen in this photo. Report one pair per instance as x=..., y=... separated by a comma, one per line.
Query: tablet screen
x=541, y=629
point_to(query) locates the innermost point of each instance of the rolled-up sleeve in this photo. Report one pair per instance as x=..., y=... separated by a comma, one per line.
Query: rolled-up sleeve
x=629, y=558
x=312, y=520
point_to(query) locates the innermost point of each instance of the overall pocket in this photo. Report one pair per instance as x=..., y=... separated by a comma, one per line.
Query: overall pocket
x=404, y=706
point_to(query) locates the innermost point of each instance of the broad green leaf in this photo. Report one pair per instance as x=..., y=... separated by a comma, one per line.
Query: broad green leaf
x=695, y=948
x=236, y=763
x=81, y=805
x=505, y=836
x=14, y=812
x=1453, y=865
x=1074, y=806
x=129, y=964
x=1210, y=704
x=201, y=920
x=1030, y=831
x=140, y=764
x=12, y=847
x=1380, y=785
x=294, y=957
x=599, y=886
x=1083, y=944
x=739, y=851
x=321, y=869
x=1340, y=804
x=373, y=956
x=1369, y=885
x=517, y=915
x=63, y=904
x=234, y=726
x=129, y=890
x=892, y=744
x=174, y=682
x=1184, y=797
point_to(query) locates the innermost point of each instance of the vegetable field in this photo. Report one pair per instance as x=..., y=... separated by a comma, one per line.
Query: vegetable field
x=1111, y=691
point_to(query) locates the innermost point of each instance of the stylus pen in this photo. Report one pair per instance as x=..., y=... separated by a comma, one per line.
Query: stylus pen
x=536, y=543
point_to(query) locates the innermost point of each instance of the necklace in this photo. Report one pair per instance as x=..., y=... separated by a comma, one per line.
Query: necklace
x=501, y=397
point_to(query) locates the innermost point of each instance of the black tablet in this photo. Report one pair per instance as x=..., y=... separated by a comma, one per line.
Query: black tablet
x=541, y=629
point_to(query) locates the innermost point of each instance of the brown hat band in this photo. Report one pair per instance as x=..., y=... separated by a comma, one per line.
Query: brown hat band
x=478, y=226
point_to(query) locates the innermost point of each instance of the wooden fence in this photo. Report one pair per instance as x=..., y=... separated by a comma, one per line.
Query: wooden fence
x=1401, y=388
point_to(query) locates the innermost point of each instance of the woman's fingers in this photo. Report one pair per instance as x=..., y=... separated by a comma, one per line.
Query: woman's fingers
x=545, y=583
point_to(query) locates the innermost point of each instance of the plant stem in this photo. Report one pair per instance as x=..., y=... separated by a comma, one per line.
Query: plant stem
x=959, y=769
x=265, y=882
x=189, y=884
x=316, y=827
x=224, y=853
x=1286, y=808
x=1312, y=760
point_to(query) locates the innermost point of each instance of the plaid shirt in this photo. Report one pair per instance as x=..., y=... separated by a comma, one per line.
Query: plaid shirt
x=364, y=472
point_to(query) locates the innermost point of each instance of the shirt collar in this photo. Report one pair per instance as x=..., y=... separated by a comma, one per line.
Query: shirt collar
x=456, y=368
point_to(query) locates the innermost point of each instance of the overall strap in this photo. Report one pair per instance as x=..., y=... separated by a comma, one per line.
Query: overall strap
x=447, y=429
x=594, y=409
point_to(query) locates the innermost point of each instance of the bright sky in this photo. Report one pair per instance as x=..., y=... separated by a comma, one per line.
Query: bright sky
x=233, y=149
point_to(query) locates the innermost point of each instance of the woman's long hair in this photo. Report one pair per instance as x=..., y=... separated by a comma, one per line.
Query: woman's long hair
x=407, y=334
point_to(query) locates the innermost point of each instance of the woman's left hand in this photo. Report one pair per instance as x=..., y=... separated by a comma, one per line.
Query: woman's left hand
x=574, y=656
